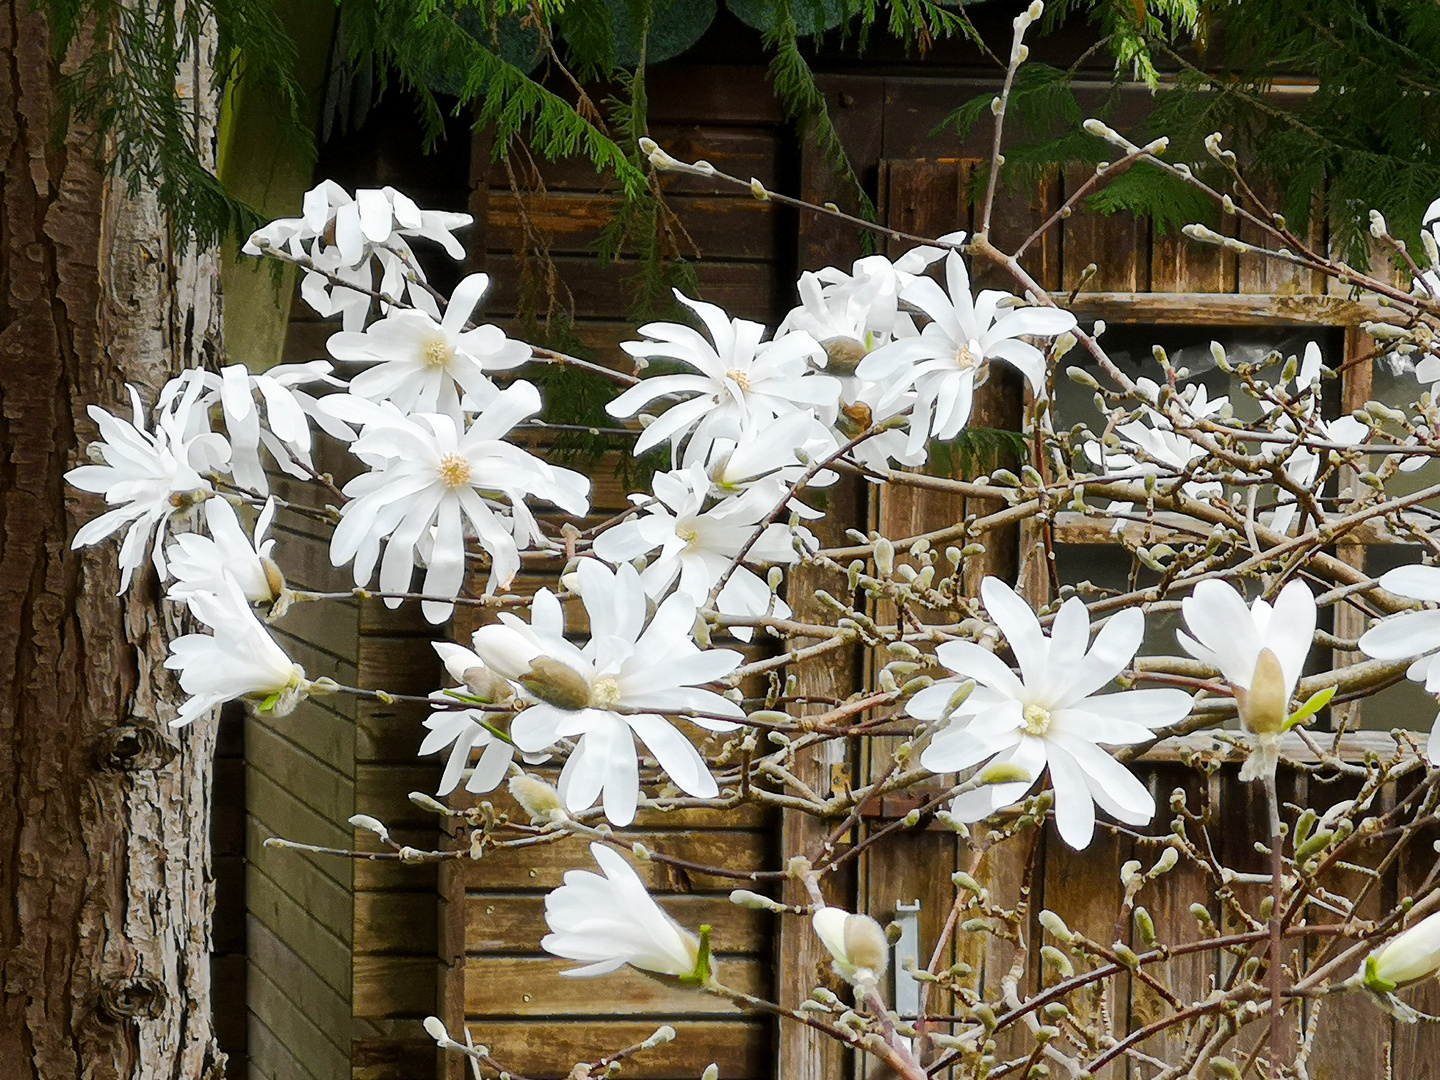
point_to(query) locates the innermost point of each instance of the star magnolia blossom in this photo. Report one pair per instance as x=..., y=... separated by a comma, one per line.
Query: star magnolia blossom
x=741, y=382
x=240, y=660
x=1154, y=451
x=941, y=364
x=287, y=409
x=1302, y=464
x=1260, y=650
x=147, y=477
x=770, y=456
x=201, y=563
x=1050, y=716
x=1412, y=633
x=341, y=235
x=697, y=545
x=462, y=731
x=430, y=473
x=611, y=921
x=423, y=365
x=613, y=689
x=856, y=943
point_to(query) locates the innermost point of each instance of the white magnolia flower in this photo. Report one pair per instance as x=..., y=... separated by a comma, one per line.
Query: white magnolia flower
x=431, y=474
x=865, y=303
x=1050, y=716
x=697, y=545
x=1260, y=650
x=342, y=235
x=1412, y=633
x=611, y=921
x=774, y=456
x=147, y=477
x=613, y=689
x=941, y=364
x=425, y=366
x=1153, y=451
x=856, y=943
x=201, y=563
x=239, y=660
x=741, y=381
x=1302, y=464
x=288, y=410
x=463, y=730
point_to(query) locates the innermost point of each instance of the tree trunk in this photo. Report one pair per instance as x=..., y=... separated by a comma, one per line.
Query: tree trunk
x=104, y=820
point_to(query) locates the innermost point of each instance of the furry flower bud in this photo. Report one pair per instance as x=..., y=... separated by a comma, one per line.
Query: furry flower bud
x=857, y=942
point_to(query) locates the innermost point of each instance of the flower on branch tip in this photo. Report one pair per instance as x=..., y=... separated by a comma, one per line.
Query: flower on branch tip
x=429, y=479
x=425, y=365
x=610, y=921
x=616, y=687
x=1412, y=633
x=147, y=477
x=341, y=235
x=963, y=333
x=1051, y=716
x=740, y=381
x=238, y=660
x=1260, y=650
x=698, y=544
x=463, y=731
x=856, y=943
x=201, y=563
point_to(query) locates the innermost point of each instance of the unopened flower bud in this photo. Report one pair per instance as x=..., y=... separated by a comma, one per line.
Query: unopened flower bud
x=1055, y=926
x=435, y=1028
x=535, y=796
x=556, y=683
x=1263, y=705
x=370, y=824
x=1412, y=956
x=712, y=1072
x=857, y=943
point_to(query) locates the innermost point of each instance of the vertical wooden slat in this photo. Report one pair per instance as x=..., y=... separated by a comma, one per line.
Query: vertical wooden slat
x=1118, y=245
x=1356, y=388
x=1261, y=274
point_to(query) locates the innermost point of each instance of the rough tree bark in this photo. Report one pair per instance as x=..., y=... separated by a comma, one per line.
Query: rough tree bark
x=104, y=816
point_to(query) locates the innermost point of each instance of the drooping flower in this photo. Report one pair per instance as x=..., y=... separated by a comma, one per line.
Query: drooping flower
x=427, y=472
x=856, y=943
x=1050, y=716
x=773, y=456
x=425, y=366
x=201, y=563
x=239, y=660
x=964, y=332
x=1412, y=633
x=697, y=545
x=147, y=477
x=341, y=235
x=741, y=381
x=616, y=687
x=608, y=922
x=1260, y=650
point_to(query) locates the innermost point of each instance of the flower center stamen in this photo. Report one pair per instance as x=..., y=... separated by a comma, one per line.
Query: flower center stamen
x=438, y=353
x=688, y=533
x=604, y=692
x=741, y=379
x=1037, y=721
x=454, y=470
x=965, y=357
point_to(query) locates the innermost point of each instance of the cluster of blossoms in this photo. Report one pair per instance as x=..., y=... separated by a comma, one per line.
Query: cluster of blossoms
x=872, y=367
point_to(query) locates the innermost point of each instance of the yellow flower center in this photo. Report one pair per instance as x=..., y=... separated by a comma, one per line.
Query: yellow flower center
x=438, y=353
x=1037, y=721
x=687, y=533
x=604, y=692
x=742, y=380
x=454, y=470
x=965, y=357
